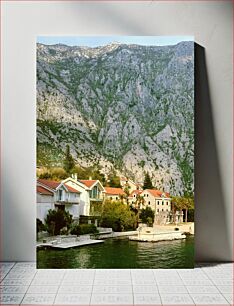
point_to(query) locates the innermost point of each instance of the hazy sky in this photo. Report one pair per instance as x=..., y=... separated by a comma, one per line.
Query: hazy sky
x=94, y=41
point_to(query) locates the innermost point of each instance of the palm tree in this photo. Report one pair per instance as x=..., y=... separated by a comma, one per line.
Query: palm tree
x=127, y=193
x=140, y=201
x=180, y=203
x=188, y=204
x=177, y=204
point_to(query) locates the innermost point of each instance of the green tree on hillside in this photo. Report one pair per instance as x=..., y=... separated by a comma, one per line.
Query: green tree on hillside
x=113, y=180
x=68, y=163
x=52, y=173
x=127, y=192
x=93, y=172
x=147, y=182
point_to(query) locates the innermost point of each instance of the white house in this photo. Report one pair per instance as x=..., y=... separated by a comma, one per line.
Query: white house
x=127, y=183
x=158, y=200
x=134, y=196
x=61, y=195
x=96, y=190
x=45, y=201
x=84, y=203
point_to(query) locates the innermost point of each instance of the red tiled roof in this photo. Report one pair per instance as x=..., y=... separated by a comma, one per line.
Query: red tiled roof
x=49, y=183
x=114, y=191
x=71, y=189
x=55, y=184
x=88, y=183
x=157, y=193
x=43, y=190
x=135, y=192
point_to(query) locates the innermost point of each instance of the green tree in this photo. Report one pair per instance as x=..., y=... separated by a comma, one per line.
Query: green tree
x=93, y=172
x=147, y=182
x=40, y=226
x=68, y=162
x=118, y=216
x=182, y=203
x=127, y=193
x=177, y=205
x=82, y=229
x=188, y=203
x=140, y=201
x=57, y=219
x=52, y=173
x=147, y=215
x=113, y=180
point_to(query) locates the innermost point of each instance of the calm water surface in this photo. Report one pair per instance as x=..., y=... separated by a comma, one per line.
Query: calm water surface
x=122, y=253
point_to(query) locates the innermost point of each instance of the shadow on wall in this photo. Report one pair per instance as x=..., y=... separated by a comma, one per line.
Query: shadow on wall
x=18, y=212
x=211, y=231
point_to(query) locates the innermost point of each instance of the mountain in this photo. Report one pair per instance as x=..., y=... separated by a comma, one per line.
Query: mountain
x=123, y=107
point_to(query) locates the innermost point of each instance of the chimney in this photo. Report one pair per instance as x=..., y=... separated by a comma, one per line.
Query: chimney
x=75, y=176
x=90, y=178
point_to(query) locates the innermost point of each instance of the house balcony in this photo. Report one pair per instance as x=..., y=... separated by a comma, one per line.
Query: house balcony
x=67, y=201
x=97, y=198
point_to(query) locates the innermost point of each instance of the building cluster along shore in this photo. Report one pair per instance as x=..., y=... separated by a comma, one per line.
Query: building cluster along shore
x=76, y=196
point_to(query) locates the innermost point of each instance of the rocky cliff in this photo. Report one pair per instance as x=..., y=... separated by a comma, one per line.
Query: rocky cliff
x=127, y=107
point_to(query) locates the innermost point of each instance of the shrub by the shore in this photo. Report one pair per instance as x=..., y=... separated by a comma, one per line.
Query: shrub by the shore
x=82, y=229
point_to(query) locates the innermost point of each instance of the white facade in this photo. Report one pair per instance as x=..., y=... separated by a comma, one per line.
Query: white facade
x=84, y=200
x=127, y=183
x=134, y=196
x=70, y=195
x=112, y=197
x=44, y=203
x=157, y=203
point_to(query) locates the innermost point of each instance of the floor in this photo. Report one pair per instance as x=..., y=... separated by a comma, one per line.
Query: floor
x=207, y=284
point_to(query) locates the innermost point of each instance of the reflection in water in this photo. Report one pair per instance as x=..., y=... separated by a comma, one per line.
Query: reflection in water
x=122, y=253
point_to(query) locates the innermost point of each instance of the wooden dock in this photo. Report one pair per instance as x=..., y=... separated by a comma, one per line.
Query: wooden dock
x=68, y=245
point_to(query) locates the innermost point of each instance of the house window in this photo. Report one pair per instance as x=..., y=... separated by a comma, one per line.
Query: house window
x=60, y=195
x=158, y=202
x=147, y=195
x=149, y=202
x=162, y=203
x=162, y=209
x=110, y=198
x=158, y=210
x=167, y=203
x=116, y=198
x=134, y=195
x=144, y=195
x=94, y=192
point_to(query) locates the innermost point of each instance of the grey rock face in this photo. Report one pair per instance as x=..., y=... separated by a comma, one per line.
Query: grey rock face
x=129, y=107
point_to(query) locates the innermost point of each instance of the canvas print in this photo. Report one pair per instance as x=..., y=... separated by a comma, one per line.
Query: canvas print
x=115, y=152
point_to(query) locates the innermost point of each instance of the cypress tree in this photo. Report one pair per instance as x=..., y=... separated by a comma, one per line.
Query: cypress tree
x=147, y=182
x=69, y=162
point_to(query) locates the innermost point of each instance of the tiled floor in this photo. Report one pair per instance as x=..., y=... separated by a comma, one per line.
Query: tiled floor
x=207, y=284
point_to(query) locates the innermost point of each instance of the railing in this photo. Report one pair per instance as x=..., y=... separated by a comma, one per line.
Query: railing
x=96, y=198
x=67, y=201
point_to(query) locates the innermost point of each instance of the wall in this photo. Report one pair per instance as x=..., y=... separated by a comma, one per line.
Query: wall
x=211, y=24
x=42, y=210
